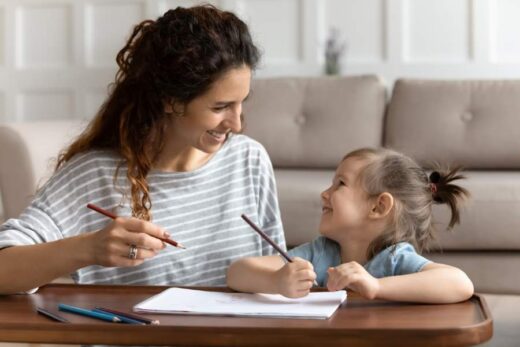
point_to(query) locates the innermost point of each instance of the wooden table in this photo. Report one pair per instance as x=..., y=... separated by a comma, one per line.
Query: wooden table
x=358, y=322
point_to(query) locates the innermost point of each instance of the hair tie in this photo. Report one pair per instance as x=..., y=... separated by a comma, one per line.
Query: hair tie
x=435, y=177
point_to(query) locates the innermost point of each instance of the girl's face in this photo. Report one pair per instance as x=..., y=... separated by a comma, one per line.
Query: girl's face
x=345, y=206
x=207, y=120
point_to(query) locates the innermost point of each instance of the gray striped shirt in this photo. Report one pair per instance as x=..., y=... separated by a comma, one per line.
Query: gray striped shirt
x=201, y=209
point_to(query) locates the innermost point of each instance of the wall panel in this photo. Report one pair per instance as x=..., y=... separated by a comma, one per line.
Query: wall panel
x=57, y=57
x=40, y=44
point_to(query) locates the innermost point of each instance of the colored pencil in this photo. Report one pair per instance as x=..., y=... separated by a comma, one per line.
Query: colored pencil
x=113, y=216
x=89, y=313
x=51, y=315
x=268, y=239
x=124, y=319
x=129, y=315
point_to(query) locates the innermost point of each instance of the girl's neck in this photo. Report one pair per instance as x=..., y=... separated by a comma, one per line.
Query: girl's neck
x=354, y=250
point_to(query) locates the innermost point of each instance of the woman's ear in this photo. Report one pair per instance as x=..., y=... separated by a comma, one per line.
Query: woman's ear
x=172, y=107
x=382, y=206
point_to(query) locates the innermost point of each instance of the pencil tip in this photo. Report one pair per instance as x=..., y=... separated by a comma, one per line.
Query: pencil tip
x=180, y=246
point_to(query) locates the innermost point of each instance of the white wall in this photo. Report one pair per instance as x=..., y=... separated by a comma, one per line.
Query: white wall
x=57, y=56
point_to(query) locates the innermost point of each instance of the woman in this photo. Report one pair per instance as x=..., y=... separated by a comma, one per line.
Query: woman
x=164, y=149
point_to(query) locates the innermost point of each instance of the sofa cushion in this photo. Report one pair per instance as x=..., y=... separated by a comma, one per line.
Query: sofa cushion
x=300, y=204
x=471, y=123
x=313, y=122
x=26, y=150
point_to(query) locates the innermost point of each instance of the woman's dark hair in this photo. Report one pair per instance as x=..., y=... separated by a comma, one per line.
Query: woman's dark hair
x=175, y=58
x=414, y=192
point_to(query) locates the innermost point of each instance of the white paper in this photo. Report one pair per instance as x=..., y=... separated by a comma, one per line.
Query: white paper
x=317, y=305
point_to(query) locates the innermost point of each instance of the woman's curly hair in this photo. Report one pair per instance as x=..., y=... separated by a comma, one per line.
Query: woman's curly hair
x=174, y=58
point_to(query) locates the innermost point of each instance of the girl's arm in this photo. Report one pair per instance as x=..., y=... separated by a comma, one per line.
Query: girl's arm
x=271, y=275
x=435, y=283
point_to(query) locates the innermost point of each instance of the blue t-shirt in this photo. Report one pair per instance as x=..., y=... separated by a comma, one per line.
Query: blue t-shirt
x=398, y=259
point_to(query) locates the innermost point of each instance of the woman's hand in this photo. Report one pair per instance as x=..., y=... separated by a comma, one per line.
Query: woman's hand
x=111, y=246
x=295, y=279
x=352, y=275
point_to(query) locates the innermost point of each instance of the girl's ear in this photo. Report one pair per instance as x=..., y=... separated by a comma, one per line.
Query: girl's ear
x=382, y=206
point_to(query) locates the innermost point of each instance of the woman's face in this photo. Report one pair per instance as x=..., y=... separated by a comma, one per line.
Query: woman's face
x=207, y=120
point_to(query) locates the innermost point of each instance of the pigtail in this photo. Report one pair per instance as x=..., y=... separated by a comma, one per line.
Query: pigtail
x=445, y=192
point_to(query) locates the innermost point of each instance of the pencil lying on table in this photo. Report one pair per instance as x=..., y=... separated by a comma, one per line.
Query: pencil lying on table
x=271, y=242
x=129, y=315
x=89, y=313
x=113, y=216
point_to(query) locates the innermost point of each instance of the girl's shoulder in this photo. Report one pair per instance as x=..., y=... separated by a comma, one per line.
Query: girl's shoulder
x=397, y=259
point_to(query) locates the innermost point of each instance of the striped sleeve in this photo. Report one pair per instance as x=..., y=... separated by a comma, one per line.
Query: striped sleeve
x=268, y=209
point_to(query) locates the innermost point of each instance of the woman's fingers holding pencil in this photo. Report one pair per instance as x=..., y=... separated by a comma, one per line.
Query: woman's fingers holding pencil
x=124, y=242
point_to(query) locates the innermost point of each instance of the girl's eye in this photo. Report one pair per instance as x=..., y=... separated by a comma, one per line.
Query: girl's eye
x=341, y=183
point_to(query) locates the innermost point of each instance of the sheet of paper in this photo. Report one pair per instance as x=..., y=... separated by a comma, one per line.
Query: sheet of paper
x=317, y=305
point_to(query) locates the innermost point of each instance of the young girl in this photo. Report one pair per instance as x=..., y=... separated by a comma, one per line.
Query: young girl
x=376, y=214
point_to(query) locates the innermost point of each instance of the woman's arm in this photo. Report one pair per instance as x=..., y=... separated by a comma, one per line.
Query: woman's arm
x=435, y=283
x=270, y=275
x=23, y=268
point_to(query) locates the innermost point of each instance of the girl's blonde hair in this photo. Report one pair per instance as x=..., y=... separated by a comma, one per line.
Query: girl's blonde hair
x=414, y=193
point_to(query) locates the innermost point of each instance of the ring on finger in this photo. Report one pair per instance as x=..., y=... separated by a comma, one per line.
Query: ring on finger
x=132, y=252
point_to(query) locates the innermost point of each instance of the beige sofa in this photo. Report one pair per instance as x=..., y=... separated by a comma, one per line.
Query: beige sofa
x=308, y=124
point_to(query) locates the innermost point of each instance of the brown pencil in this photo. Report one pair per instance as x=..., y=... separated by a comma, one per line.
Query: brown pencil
x=271, y=242
x=113, y=216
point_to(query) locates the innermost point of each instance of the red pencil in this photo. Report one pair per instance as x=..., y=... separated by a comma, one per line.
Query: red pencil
x=113, y=216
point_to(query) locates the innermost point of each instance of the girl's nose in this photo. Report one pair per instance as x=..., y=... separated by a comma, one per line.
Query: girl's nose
x=325, y=194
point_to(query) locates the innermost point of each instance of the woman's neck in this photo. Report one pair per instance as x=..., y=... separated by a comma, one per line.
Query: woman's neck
x=182, y=160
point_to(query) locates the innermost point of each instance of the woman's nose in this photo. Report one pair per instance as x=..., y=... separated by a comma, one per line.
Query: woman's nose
x=234, y=119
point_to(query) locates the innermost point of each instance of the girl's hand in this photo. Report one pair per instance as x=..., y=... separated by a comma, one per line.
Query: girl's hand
x=295, y=279
x=111, y=245
x=353, y=276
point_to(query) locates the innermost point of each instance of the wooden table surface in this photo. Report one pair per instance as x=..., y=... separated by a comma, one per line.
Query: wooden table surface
x=358, y=322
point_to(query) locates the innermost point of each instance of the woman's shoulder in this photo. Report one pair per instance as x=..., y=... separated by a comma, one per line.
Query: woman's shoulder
x=397, y=259
x=83, y=164
x=244, y=141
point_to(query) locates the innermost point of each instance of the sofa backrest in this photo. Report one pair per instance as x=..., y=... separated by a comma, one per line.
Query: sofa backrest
x=469, y=123
x=26, y=153
x=313, y=122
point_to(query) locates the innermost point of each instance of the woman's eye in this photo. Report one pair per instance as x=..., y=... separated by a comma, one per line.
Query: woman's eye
x=220, y=108
x=341, y=183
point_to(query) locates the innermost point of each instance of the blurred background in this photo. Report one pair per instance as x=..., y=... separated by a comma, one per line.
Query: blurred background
x=57, y=57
